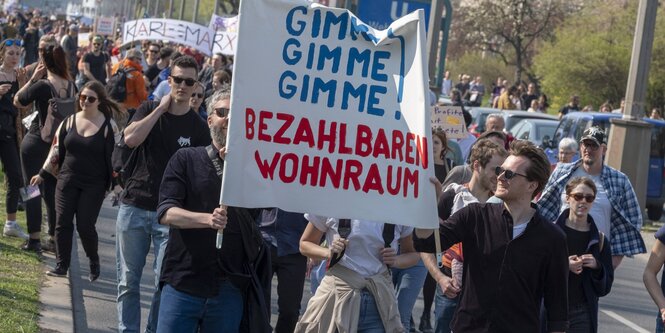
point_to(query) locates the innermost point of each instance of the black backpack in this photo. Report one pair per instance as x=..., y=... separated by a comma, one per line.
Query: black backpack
x=117, y=84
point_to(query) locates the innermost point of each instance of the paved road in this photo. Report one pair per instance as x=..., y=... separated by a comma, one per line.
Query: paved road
x=628, y=308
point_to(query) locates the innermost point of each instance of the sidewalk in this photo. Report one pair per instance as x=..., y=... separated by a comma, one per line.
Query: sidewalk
x=56, y=299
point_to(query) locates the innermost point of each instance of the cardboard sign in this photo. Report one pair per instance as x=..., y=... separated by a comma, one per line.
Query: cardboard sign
x=105, y=26
x=83, y=39
x=186, y=33
x=330, y=116
x=449, y=119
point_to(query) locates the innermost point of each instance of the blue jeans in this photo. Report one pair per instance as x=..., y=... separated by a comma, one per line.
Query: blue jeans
x=182, y=312
x=408, y=283
x=135, y=229
x=444, y=311
x=369, y=319
x=659, y=324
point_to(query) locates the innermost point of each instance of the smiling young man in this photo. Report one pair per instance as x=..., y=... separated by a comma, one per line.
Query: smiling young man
x=96, y=63
x=513, y=257
x=158, y=130
x=616, y=210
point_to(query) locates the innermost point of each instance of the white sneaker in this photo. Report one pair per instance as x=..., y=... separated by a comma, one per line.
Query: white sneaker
x=12, y=229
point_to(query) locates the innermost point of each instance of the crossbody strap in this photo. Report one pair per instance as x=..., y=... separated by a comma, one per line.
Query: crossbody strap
x=216, y=161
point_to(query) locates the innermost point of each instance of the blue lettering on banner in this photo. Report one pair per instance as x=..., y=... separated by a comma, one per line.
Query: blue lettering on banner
x=318, y=26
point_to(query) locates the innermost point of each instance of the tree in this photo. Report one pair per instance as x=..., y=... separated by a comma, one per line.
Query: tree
x=510, y=29
x=590, y=56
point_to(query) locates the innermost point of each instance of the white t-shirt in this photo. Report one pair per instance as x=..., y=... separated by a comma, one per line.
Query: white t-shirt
x=363, y=254
x=601, y=210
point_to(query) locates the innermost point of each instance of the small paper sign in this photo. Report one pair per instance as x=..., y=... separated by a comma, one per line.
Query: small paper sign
x=449, y=119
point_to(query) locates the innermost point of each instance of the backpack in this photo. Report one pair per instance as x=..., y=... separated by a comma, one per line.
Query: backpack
x=59, y=108
x=116, y=86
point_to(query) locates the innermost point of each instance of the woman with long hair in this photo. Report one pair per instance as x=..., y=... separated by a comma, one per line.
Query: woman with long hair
x=590, y=261
x=11, y=80
x=80, y=157
x=51, y=73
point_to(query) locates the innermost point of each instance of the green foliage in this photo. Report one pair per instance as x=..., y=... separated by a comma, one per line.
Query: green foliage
x=590, y=57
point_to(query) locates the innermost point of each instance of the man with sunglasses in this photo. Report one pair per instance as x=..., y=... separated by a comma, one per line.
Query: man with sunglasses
x=616, y=210
x=513, y=257
x=97, y=63
x=157, y=130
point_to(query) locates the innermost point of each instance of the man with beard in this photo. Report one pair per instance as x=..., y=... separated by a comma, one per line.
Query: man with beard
x=202, y=287
x=509, y=268
x=485, y=156
x=616, y=210
x=158, y=129
x=96, y=63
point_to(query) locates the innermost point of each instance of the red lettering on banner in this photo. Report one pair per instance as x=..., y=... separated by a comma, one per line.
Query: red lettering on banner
x=410, y=137
x=373, y=180
x=304, y=133
x=343, y=148
x=327, y=172
x=381, y=145
x=329, y=138
x=250, y=118
x=394, y=190
x=263, y=115
x=283, y=168
x=410, y=178
x=398, y=143
x=421, y=147
x=364, y=141
x=310, y=170
x=279, y=136
x=267, y=170
x=352, y=171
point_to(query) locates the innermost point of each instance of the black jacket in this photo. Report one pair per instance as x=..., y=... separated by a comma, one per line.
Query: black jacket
x=505, y=279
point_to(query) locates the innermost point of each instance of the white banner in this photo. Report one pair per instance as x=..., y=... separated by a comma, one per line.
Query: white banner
x=330, y=116
x=180, y=32
x=105, y=26
x=226, y=33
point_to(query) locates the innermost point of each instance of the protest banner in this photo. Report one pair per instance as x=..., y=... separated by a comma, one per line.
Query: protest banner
x=449, y=119
x=182, y=32
x=105, y=26
x=83, y=39
x=226, y=33
x=330, y=116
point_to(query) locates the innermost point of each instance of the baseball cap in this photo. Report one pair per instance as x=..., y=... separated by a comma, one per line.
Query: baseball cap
x=595, y=134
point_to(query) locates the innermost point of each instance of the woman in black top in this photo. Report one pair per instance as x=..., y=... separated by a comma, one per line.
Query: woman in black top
x=81, y=159
x=52, y=67
x=590, y=262
x=10, y=81
x=442, y=165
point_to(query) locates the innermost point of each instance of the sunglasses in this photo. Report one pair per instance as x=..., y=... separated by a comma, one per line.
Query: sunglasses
x=221, y=112
x=197, y=95
x=580, y=197
x=89, y=99
x=178, y=80
x=11, y=42
x=507, y=173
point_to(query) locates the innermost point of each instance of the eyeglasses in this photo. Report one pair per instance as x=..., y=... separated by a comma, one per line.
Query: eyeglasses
x=590, y=145
x=507, y=173
x=89, y=99
x=178, y=80
x=580, y=197
x=197, y=95
x=221, y=112
x=10, y=42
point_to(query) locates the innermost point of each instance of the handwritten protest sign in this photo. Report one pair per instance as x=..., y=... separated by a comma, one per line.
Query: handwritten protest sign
x=449, y=119
x=329, y=116
x=83, y=39
x=226, y=33
x=186, y=33
x=105, y=26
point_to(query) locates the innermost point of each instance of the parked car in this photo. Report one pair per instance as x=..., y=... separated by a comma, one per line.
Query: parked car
x=534, y=130
x=573, y=125
x=511, y=117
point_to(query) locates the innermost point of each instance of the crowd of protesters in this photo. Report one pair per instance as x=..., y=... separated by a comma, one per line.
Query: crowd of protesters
x=497, y=205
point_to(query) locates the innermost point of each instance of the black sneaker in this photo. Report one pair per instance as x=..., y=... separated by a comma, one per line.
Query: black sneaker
x=94, y=271
x=58, y=271
x=425, y=324
x=33, y=245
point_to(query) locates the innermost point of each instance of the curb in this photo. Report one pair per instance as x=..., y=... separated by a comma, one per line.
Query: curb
x=55, y=314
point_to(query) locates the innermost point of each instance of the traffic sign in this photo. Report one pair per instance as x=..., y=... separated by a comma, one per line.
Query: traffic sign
x=380, y=13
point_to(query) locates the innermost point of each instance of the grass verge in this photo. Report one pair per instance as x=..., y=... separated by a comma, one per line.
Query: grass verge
x=21, y=275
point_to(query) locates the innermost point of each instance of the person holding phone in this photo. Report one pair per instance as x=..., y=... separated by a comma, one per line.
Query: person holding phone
x=11, y=79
